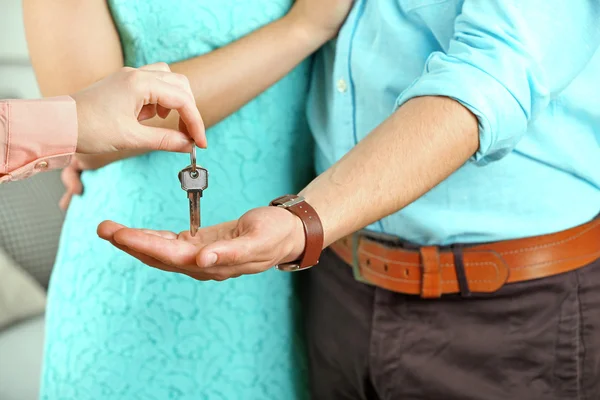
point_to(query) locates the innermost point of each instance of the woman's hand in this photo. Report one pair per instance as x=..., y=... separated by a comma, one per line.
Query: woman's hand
x=71, y=178
x=71, y=175
x=321, y=19
x=109, y=112
x=260, y=239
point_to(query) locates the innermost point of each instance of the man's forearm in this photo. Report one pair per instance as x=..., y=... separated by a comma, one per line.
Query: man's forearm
x=412, y=151
x=420, y=145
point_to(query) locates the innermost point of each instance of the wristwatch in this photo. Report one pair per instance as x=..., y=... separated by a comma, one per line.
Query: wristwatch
x=313, y=231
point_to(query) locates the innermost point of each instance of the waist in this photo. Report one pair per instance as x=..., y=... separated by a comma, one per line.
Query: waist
x=430, y=271
x=492, y=203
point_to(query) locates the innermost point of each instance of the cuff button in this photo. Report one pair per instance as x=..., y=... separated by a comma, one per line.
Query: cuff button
x=41, y=165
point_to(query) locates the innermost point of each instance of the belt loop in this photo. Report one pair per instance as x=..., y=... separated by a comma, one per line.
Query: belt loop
x=459, y=266
x=432, y=274
x=355, y=261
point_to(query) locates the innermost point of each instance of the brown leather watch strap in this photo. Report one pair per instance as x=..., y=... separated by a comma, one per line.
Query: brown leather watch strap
x=313, y=230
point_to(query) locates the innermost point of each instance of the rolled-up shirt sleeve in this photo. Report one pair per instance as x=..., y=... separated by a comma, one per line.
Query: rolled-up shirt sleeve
x=507, y=60
x=36, y=136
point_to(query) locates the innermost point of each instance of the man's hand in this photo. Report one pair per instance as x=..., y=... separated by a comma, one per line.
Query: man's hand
x=259, y=240
x=320, y=18
x=109, y=112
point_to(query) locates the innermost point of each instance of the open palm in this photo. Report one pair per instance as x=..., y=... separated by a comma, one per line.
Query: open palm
x=260, y=239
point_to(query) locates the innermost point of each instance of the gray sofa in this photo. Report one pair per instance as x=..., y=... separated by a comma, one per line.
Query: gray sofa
x=30, y=223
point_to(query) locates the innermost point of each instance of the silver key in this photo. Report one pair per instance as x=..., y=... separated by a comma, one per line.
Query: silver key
x=194, y=180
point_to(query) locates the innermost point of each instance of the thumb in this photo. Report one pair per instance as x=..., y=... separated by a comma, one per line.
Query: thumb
x=153, y=138
x=237, y=251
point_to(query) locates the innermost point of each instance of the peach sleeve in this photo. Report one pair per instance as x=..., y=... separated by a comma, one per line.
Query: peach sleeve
x=36, y=135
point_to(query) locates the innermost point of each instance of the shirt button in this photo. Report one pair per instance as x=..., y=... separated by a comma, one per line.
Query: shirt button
x=342, y=86
x=41, y=165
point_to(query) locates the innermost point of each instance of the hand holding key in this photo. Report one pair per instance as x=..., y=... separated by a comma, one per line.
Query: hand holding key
x=194, y=180
x=110, y=112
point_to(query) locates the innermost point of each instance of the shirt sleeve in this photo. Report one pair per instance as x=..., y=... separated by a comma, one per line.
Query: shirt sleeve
x=507, y=60
x=36, y=136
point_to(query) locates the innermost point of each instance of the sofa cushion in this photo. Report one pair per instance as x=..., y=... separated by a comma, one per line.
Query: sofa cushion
x=30, y=222
x=21, y=347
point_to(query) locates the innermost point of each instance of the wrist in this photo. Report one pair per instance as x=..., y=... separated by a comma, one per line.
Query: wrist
x=306, y=233
x=297, y=241
x=96, y=161
x=306, y=33
x=312, y=197
x=83, y=127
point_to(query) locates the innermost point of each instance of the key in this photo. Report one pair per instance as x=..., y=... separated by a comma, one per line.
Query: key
x=194, y=180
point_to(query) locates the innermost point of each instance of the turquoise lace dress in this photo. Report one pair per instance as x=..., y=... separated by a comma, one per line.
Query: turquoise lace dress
x=117, y=329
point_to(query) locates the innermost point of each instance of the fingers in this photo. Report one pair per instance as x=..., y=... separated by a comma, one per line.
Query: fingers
x=107, y=229
x=161, y=266
x=234, y=271
x=65, y=200
x=183, y=101
x=159, y=66
x=144, y=258
x=170, y=96
x=71, y=178
x=150, y=110
x=173, y=92
x=172, y=252
x=163, y=112
x=174, y=79
x=163, y=139
x=147, y=112
x=237, y=251
x=182, y=82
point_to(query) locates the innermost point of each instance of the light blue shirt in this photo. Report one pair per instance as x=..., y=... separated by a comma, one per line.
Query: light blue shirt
x=528, y=69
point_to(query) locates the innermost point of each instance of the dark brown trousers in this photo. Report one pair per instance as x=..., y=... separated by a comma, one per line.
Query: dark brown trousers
x=530, y=340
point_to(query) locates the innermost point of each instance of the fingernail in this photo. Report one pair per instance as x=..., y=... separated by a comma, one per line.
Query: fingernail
x=211, y=259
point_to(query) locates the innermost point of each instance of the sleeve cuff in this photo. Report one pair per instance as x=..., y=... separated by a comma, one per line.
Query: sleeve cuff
x=40, y=165
x=41, y=135
x=502, y=121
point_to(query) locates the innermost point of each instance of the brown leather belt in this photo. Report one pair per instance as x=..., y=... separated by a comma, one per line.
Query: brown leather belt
x=431, y=272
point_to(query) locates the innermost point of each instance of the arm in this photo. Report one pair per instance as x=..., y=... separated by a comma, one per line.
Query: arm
x=443, y=120
x=24, y=147
x=39, y=135
x=505, y=63
x=227, y=78
x=84, y=46
x=433, y=136
x=73, y=44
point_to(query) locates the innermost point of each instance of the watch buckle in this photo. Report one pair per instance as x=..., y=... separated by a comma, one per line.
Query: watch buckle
x=291, y=203
x=291, y=267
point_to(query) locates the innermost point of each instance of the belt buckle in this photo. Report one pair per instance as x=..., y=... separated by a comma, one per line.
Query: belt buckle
x=355, y=263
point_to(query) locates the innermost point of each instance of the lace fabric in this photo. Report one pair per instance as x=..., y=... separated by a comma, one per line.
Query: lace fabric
x=117, y=329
